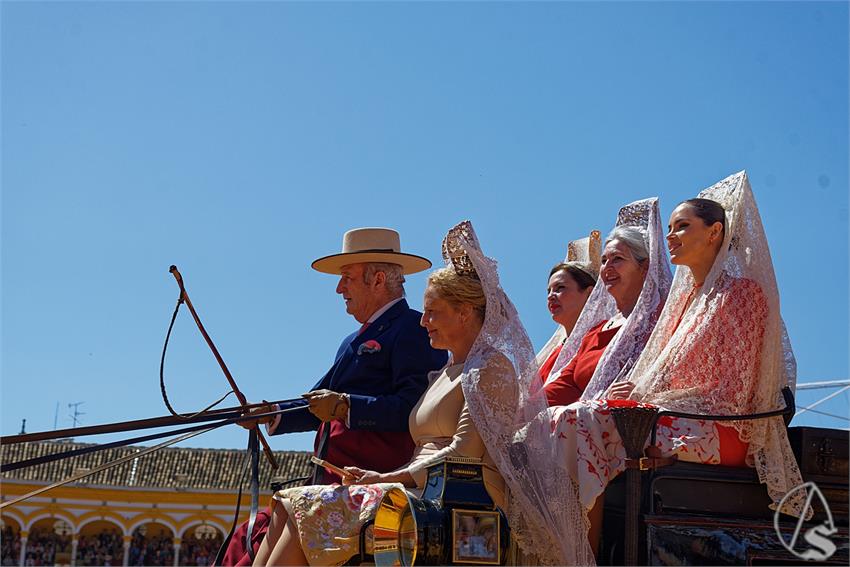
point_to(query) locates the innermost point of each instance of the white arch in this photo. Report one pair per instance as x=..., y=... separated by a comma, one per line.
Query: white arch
x=215, y=522
x=52, y=514
x=150, y=520
x=13, y=515
x=103, y=518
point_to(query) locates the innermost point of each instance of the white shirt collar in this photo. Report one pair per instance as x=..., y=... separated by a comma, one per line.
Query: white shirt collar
x=383, y=309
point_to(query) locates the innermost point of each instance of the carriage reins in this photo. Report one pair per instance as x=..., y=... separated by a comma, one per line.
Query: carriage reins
x=223, y=416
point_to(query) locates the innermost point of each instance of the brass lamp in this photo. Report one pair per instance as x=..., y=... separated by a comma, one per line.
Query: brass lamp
x=454, y=522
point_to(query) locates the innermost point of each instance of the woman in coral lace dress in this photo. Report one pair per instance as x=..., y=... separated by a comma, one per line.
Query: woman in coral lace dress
x=719, y=348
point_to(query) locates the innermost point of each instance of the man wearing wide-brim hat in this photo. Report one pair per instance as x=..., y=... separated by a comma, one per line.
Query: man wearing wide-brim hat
x=361, y=406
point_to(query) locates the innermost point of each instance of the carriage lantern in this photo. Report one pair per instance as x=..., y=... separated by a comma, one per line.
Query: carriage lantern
x=454, y=522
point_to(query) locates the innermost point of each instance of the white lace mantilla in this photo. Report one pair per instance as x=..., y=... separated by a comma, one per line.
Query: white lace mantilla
x=729, y=353
x=502, y=395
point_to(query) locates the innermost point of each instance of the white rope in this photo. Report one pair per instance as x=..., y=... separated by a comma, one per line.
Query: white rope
x=844, y=417
x=818, y=385
x=819, y=402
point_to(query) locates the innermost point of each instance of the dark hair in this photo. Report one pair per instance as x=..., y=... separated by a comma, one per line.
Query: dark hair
x=582, y=278
x=709, y=211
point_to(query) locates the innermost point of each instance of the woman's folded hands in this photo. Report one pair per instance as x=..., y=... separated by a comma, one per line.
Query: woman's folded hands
x=357, y=475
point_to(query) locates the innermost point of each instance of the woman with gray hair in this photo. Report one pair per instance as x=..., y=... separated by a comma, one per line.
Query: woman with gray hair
x=597, y=358
x=624, y=305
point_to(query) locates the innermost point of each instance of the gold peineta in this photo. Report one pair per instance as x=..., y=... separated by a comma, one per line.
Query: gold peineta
x=636, y=214
x=586, y=253
x=454, y=252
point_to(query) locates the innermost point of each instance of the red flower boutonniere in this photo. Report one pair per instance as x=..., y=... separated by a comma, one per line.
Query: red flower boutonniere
x=369, y=347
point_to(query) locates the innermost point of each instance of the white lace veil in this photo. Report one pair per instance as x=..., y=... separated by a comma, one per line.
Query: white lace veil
x=499, y=386
x=547, y=518
x=584, y=254
x=630, y=339
x=729, y=353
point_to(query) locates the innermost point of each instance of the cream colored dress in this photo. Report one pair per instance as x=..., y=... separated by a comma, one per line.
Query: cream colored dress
x=328, y=518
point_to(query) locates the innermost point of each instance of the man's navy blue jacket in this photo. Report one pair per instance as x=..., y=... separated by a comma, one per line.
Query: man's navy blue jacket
x=384, y=383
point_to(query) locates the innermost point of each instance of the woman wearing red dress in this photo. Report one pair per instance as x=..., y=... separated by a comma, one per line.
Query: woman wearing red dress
x=719, y=348
x=569, y=285
x=624, y=302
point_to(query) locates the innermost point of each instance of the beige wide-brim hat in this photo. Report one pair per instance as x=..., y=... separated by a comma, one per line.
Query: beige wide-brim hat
x=371, y=245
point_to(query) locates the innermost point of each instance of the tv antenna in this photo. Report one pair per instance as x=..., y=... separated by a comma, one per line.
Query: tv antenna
x=75, y=416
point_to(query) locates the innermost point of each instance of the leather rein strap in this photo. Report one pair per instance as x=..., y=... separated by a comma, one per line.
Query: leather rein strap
x=136, y=424
x=224, y=419
x=108, y=465
x=184, y=298
x=187, y=432
x=255, y=437
x=162, y=371
x=254, y=455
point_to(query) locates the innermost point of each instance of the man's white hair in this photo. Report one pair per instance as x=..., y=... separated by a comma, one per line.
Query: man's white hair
x=394, y=281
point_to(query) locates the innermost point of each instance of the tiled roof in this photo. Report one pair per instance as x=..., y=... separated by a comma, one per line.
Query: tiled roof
x=211, y=469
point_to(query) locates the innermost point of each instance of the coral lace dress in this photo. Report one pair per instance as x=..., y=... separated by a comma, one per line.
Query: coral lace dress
x=587, y=427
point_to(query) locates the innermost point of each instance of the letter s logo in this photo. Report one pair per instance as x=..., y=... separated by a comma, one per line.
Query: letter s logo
x=818, y=538
x=820, y=546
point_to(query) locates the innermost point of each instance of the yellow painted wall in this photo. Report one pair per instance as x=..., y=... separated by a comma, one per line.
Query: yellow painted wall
x=161, y=506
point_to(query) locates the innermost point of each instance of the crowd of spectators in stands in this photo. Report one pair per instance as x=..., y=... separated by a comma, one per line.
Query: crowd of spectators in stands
x=44, y=544
x=151, y=549
x=200, y=551
x=11, y=542
x=104, y=548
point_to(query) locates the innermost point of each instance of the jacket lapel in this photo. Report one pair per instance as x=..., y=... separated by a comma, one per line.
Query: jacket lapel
x=376, y=328
x=380, y=325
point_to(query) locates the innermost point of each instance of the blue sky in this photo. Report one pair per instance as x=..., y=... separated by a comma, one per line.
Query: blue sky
x=240, y=140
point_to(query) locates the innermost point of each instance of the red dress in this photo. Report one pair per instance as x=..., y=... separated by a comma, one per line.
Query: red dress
x=546, y=368
x=733, y=451
x=569, y=385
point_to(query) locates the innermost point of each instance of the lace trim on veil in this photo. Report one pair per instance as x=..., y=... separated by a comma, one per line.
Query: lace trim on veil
x=500, y=391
